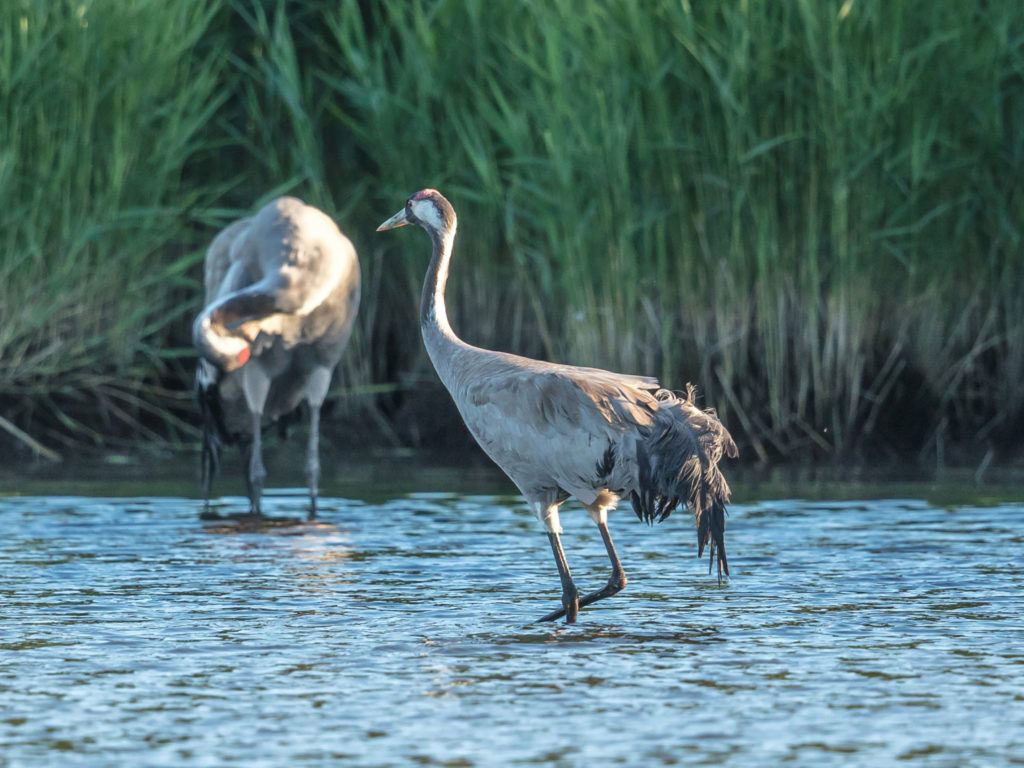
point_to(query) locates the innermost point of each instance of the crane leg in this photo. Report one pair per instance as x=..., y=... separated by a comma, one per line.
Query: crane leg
x=548, y=514
x=207, y=466
x=617, y=580
x=257, y=473
x=256, y=385
x=570, y=595
x=313, y=458
x=316, y=391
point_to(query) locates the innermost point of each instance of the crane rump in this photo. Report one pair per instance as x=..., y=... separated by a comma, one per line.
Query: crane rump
x=677, y=460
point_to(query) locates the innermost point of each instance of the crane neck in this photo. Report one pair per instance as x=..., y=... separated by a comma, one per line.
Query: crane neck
x=433, y=313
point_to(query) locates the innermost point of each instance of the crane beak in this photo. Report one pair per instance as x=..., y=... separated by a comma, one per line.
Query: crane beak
x=396, y=221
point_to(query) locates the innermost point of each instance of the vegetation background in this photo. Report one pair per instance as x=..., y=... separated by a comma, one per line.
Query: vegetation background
x=811, y=209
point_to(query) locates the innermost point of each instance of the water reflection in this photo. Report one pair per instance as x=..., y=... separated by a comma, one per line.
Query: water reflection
x=401, y=631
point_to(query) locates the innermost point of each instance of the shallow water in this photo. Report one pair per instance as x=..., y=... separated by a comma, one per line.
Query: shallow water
x=399, y=632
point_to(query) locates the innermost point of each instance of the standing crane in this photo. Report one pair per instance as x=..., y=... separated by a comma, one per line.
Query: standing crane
x=282, y=292
x=560, y=430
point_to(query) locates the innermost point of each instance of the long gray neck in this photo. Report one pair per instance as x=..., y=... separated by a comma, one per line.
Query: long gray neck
x=433, y=313
x=438, y=337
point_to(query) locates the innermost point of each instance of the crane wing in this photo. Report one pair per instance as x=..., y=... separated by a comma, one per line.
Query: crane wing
x=219, y=262
x=564, y=425
x=563, y=399
x=583, y=429
x=265, y=274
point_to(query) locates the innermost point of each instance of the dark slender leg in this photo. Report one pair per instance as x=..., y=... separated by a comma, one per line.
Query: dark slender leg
x=616, y=582
x=570, y=595
x=207, y=474
x=313, y=458
x=257, y=472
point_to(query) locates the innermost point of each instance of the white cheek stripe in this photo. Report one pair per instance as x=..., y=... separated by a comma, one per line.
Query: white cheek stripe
x=426, y=211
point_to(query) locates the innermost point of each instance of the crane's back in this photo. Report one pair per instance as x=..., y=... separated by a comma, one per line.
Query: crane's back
x=297, y=253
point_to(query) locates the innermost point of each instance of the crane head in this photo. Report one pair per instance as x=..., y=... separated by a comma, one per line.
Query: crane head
x=224, y=350
x=429, y=209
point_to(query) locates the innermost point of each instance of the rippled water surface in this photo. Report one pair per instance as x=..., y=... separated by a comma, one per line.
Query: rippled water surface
x=399, y=632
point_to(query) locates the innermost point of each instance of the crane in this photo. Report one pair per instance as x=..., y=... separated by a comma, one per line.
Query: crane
x=559, y=430
x=281, y=297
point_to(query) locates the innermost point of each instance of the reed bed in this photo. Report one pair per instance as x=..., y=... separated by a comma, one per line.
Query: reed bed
x=811, y=210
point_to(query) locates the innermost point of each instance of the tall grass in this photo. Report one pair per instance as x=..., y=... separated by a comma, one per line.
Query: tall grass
x=812, y=210
x=103, y=102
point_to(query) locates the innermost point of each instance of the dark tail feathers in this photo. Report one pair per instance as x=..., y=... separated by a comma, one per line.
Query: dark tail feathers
x=215, y=433
x=678, y=460
x=711, y=530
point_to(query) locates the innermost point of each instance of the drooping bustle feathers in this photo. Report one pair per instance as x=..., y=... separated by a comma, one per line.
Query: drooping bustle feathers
x=214, y=430
x=678, y=460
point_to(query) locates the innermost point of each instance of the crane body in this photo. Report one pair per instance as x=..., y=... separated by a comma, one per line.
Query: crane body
x=282, y=293
x=559, y=430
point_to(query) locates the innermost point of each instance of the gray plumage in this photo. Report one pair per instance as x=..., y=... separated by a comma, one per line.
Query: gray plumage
x=560, y=430
x=281, y=297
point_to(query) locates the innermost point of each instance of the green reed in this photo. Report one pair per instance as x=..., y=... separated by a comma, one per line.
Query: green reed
x=811, y=210
x=103, y=104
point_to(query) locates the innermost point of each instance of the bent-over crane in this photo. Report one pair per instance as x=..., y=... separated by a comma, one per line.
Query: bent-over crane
x=282, y=292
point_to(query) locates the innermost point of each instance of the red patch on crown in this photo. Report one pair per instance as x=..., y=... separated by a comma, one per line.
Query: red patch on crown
x=423, y=194
x=243, y=356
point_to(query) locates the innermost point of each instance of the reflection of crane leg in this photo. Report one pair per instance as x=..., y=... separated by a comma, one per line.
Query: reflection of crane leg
x=316, y=391
x=256, y=384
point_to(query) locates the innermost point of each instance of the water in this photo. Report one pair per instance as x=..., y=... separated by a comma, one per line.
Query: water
x=397, y=631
